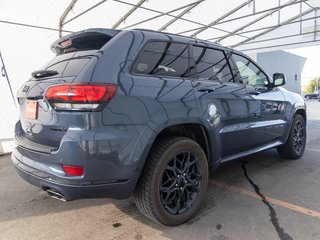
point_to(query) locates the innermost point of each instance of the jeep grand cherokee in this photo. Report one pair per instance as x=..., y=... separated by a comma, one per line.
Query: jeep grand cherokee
x=139, y=112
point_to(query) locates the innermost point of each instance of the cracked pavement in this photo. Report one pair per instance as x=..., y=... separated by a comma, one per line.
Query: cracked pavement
x=240, y=208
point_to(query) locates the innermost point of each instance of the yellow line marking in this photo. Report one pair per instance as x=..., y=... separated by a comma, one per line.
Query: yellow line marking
x=243, y=191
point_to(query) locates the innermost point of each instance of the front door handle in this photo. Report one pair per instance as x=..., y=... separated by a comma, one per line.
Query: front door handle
x=254, y=92
x=206, y=90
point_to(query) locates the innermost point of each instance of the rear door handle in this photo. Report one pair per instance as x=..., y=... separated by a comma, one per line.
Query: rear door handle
x=206, y=90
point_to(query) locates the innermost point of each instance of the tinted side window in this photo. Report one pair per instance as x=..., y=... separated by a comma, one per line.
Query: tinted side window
x=249, y=73
x=163, y=58
x=211, y=64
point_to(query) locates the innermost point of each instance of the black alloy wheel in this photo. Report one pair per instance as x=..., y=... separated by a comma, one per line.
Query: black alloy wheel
x=180, y=184
x=295, y=145
x=299, y=137
x=174, y=181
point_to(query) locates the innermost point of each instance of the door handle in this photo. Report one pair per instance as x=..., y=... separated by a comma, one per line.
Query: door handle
x=206, y=90
x=254, y=92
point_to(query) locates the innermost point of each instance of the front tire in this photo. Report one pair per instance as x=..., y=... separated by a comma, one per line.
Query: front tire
x=295, y=145
x=174, y=181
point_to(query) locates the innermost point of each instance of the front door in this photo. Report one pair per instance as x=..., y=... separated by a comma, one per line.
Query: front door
x=266, y=104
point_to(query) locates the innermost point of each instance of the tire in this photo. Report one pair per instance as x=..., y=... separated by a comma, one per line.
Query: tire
x=167, y=194
x=307, y=97
x=295, y=145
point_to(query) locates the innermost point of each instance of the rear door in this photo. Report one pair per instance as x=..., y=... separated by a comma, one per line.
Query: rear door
x=266, y=105
x=221, y=101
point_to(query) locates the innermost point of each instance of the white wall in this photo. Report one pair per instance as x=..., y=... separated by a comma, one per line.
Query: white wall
x=289, y=64
x=23, y=50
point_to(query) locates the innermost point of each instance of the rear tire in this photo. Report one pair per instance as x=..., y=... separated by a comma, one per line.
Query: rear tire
x=174, y=181
x=295, y=145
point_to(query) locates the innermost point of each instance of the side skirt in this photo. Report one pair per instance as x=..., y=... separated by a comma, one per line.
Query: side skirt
x=251, y=151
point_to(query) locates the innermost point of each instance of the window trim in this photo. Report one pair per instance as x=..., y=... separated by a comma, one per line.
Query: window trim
x=131, y=72
x=193, y=44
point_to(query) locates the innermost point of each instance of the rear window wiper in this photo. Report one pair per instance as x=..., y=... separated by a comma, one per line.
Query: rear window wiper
x=44, y=73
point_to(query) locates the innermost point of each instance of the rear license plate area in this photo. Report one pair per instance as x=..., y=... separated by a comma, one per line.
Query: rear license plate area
x=32, y=109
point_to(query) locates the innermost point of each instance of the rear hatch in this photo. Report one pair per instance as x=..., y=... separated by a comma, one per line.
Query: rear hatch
x=42, y=124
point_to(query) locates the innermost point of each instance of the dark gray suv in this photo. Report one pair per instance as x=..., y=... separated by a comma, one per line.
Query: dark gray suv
x=139, y=112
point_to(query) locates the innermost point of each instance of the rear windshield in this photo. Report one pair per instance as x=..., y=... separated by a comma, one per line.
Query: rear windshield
x=69, y=64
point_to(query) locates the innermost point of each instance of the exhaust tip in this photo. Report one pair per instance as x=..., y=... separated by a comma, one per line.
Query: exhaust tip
x=56, y=195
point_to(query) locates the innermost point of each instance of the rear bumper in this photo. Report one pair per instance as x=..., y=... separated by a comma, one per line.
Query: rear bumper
x=112, y=158
x=117, y=190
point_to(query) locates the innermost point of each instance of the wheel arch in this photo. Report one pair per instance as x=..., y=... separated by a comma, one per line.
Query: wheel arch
x=302, y=112
x=194, y=131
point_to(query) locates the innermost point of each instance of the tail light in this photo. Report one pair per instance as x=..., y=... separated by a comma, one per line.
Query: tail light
x=80, y=97
x=73, y=170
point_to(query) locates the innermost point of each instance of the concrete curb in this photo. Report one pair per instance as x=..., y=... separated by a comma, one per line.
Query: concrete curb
x=6, y=146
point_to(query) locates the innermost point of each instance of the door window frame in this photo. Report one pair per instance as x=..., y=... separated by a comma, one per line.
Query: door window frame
x=237, y=78
x=193, y=60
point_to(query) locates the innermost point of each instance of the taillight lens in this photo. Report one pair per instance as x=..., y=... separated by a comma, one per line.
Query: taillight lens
x=80, y=97
x=73, y=170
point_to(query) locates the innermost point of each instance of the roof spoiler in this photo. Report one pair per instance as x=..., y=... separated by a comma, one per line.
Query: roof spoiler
x=89, y=39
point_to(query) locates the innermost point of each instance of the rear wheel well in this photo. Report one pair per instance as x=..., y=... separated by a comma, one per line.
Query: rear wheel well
x=193, y=131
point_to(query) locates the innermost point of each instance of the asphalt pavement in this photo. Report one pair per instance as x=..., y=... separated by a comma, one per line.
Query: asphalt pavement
x=258, y=197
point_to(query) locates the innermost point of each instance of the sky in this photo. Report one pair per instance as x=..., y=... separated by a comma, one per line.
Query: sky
x=312, y=65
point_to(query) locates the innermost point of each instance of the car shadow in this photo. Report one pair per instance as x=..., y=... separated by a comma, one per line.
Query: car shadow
x=123, y=214
x=230, y=174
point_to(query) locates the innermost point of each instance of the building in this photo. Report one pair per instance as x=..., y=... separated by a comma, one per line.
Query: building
x=289, y=64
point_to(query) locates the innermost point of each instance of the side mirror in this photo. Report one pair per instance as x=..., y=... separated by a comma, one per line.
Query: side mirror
x=278, y=79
